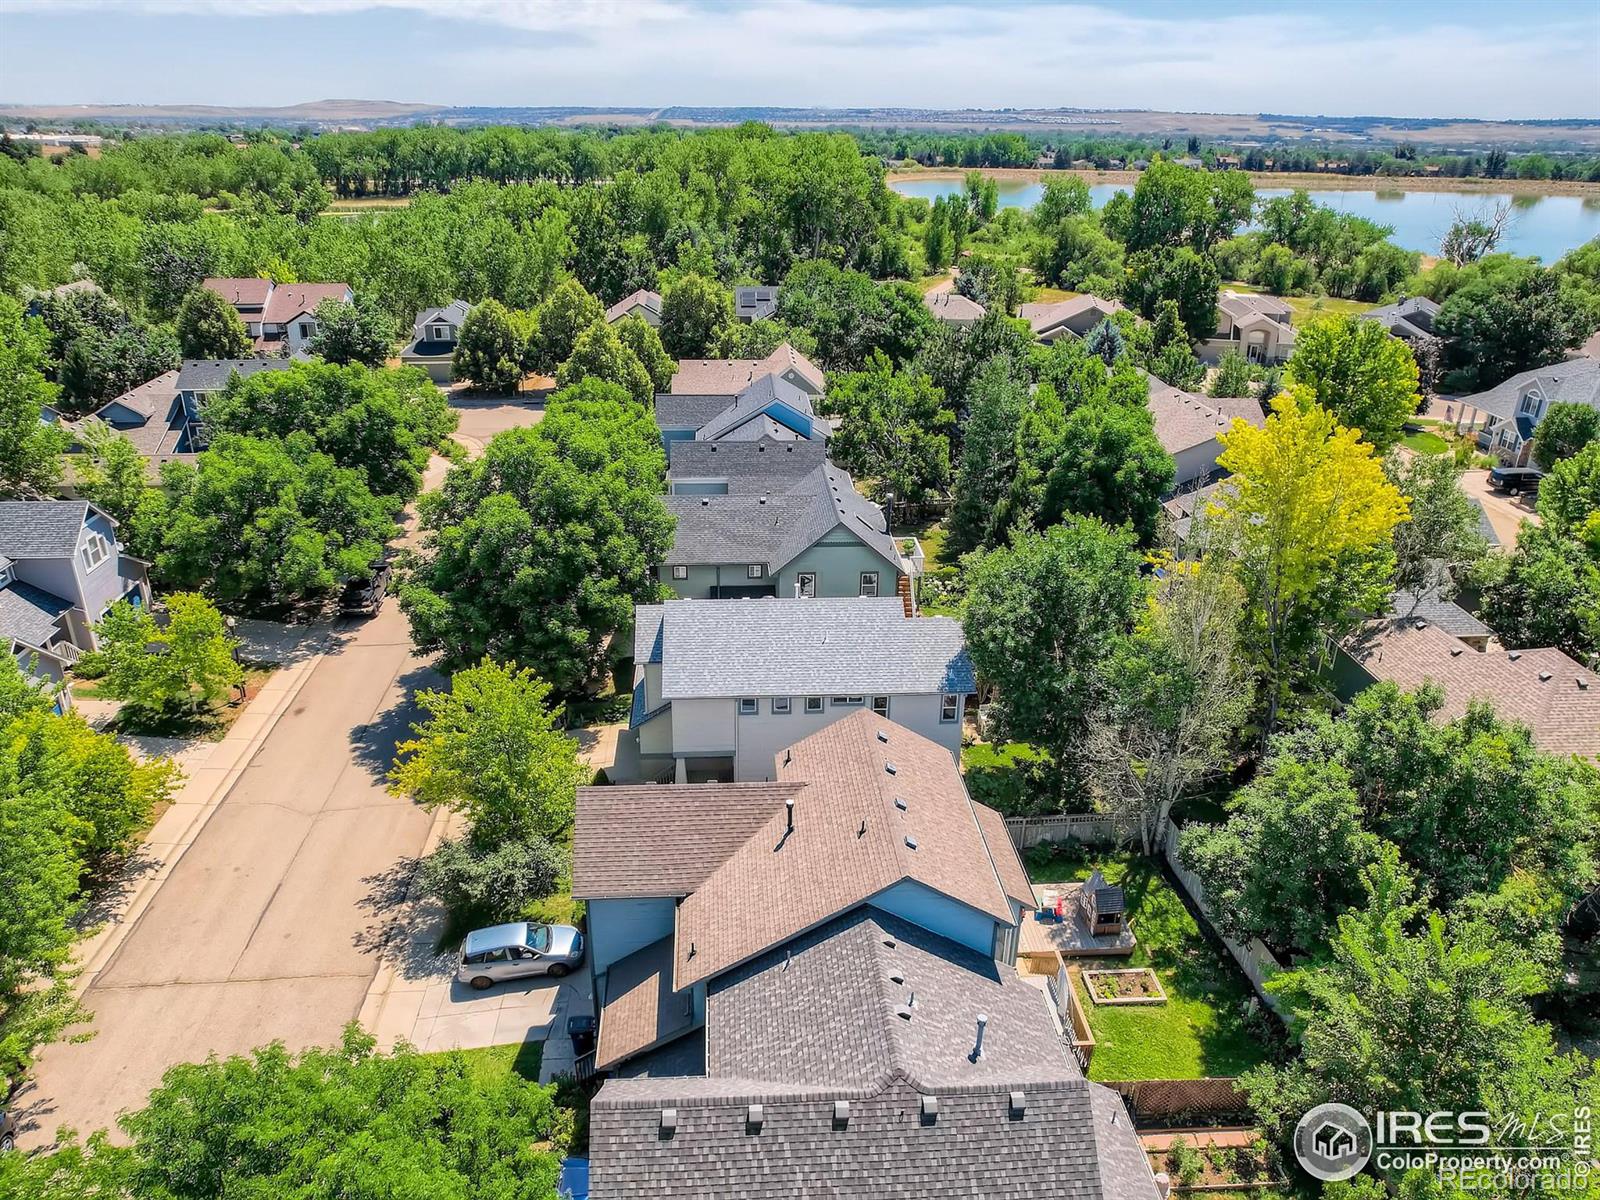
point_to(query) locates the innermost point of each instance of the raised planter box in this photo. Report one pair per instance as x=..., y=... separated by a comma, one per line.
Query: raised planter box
x=1134, y=985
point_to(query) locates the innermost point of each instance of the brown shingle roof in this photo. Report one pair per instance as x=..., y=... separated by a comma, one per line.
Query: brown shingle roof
x=1184, y=420
x=851, y=841
x=1013, y=876
x=953, y=306
x=730, y=376
x=1045, y=316
x=1558, y=700
x=289, y=300
x=640, y=1008
x=246, y=293
x=656, y=840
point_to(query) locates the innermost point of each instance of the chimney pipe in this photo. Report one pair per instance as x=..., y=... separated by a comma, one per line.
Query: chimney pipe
x=983, y=1023
x=789, y=805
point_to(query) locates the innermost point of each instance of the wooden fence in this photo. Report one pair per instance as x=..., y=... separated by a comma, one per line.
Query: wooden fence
x=1090, y=828
x=1178, y=1101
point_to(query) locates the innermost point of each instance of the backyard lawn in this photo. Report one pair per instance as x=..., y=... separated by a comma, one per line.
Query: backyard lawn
x=1203, y=1029
x=489, y=1063
x=1306, y=308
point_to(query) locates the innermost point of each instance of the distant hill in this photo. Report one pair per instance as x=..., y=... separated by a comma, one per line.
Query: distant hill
x=1224, y=127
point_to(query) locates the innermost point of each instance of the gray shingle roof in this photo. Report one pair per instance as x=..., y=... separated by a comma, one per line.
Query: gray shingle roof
x=787, y=647
x=643, y=298
x=453, y=313
x=1184, y=420
x=755, y=400
x=1430, y=606
x=1575, y=381
x=212, y=374
x=687, y=412
x=755, y=303
x=1411, y=317
x=41, y=528
x=28, y=614
x=750, y=468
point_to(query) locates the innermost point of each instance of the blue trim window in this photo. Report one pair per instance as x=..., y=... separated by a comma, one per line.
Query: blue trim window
x=780, y=706
x=749, y=706
x=949, y=708
x=813, y=704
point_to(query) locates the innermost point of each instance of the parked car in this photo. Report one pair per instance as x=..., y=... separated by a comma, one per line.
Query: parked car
x=1515, y=479
x=518, y=950
x=8, y=1132
x=363, y=597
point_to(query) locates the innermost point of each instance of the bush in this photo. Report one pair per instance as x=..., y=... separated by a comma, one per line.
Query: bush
x=490, y=884
x=91, y=664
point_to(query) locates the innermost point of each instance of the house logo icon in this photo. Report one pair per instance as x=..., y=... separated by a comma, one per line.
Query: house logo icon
x=1333, y=1142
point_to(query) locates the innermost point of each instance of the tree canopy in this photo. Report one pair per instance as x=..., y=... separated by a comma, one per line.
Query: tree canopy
x=1358, y=372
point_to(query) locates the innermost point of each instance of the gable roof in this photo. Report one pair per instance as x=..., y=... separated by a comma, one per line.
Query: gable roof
x=769, y=395
x=663, y=840
x=1244, y=305
x=1575, y=381
x=1042, y=317
x=953, y=306
x=289, y=300
x=212, y=374
x=1013, y=876
x=640, y=1010
x=730, y=376
x=1556, y=698
x=453, y=314
x=41, y=528
x=240, y=292
x=643, y=298
x=755, y=303
x=787, y=647
x=28, y=614
x=759, y=467
x=1411, y=317
x=1184, y=420
x=850, y=842
x=1430, y=606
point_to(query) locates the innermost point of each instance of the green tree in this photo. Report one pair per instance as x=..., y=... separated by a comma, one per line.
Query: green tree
x=1182, y=276
x=639, y=336
x=1107, y=463
x=1174, y=206
x=1041, y=617
x=893, y=430
x=210, y=327
x=564, y=315
x=1062, y=197
x=1232, y=379
x=1564, y=429
x=1441, y=541
x=30, y=449
x=183, y=668
x=380, y=1124
x=1549, y=595
x=1311, y=517
x=693, y=310
x=111, y=471
x=851, y=316
x=537, y=552
x=353, y=333
x=757, y=339
x=1501, y=324
x=988, y=467
x=492, y=749
x=1358, y=372
x=489, y=352
x=599, y=354
x=1077, y=254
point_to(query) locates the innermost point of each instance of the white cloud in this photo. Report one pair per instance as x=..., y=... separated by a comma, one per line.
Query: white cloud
x=1343, y=59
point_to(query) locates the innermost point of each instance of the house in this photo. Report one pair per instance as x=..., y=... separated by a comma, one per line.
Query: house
x=1190, y=161
x=770, y=409
x=1556, y=698
x=36, y=301
x=279, y=316
x=1062, y=318
x=61, y=568
x=153, y=417
x=954, y=309
x=1184, y=505
x=755, y=303
x=1429, y=605
x=720, y=686
x=1410, y=319
x=201, y=378
x=1226, y=162
x=808, y=987
x=1256, y=326
x=730, y=376
x=646, y=303
x=1511, y=412
x=1189, y=427
x=434, y=335
x=741, y=468
x=799, y=537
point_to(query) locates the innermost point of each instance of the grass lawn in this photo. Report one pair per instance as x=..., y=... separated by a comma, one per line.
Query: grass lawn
x=489, y=1063
x=1426, y=443
x=211, y=725
x=931, y=534
x=1202, y=1029
x=997, y=774
x=1052, y=295
x=1306, y=308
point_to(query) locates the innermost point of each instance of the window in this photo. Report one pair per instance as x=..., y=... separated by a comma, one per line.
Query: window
x=869, y=583
x=806, y=582
x=307, y=329
x=440, y=333
x=880, y=705
x=949, y=707
x=780, y=706
x=755, y=570
x=748, y=706
x=680, y=572
x=849, y=701
x=95, y=550
x=813, y=704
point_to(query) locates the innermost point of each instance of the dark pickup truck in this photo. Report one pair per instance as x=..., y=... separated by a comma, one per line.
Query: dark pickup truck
x=1515, y=479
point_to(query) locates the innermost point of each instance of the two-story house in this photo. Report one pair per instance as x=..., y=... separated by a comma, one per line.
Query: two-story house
x=1257, y=326
x=1511, y=411
x=281, y=317
x=434, y=335
x=153, y=418
x=770, y=409
x=1073, y=317
x=61, y=568
x=645, y=303
x=201, y=378
x=721, y=685
x=731, y=376
x=808, y=987
x=806, y=536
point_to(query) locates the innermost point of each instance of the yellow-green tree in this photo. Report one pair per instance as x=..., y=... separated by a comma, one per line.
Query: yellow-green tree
x=1309, y=516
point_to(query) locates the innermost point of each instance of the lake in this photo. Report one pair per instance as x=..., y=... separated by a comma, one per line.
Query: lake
x=1546, y=226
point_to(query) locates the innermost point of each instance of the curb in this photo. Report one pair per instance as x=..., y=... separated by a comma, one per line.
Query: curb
x=103, y=946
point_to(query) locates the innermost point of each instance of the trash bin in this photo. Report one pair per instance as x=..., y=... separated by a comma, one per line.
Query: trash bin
x=582, y=1032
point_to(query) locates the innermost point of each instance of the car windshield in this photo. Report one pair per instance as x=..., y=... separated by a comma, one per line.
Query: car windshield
x=539, y=937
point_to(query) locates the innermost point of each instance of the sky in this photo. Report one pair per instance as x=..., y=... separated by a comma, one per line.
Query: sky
x=1425, y=58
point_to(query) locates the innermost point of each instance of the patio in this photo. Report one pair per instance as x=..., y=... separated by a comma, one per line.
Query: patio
x=1070, y=935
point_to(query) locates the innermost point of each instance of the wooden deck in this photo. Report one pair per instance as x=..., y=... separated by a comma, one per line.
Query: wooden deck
x=1071, y=937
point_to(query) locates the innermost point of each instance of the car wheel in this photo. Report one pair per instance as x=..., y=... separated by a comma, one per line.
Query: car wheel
x=7, y=1143
x=481, y=983
x=557, y=970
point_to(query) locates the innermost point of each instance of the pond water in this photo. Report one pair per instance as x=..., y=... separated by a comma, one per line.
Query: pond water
x=1547, y=226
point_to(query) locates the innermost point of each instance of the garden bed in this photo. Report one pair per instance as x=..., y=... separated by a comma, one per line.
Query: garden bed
x=1210, y=1168
x=1133, y=985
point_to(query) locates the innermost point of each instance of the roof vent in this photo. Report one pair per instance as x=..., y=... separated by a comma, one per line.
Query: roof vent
x=752, y=1120
x=930, y=1109
x=1514, y=655
x=1419, y=623
x=705, y=504
x=883, y=736
x=841, y=1113
x=889, y=942
x=1544, y=676
x=1019, y=1105
x=911, y=843
x=669, y=1122
x=889, y=767
x=763, y=500
x=1583, y=684
x=903, y=1013
x=900, y=803
x=897, y=978
x=1456, y=650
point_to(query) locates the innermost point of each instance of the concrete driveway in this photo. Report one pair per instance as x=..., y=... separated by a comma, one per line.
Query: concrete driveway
x=480, y=420
x=1506, y=513
x=271, y=924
